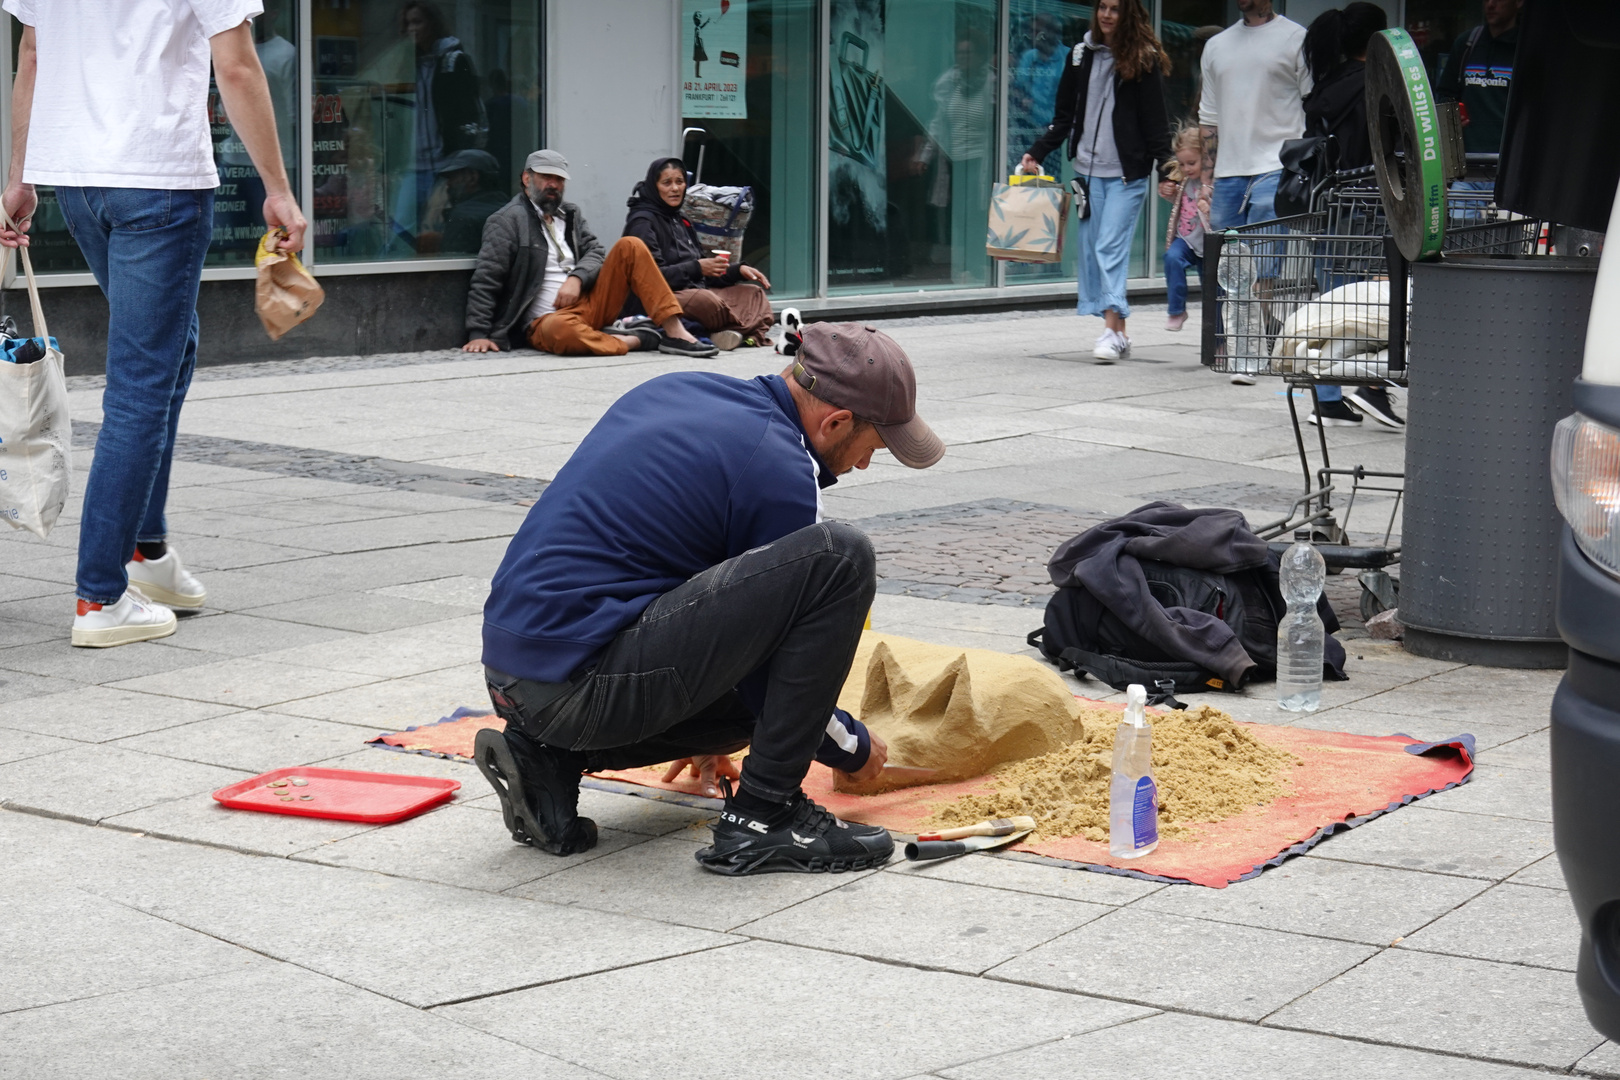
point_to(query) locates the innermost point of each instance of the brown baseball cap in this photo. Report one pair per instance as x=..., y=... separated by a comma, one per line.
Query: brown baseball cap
x=860, y=368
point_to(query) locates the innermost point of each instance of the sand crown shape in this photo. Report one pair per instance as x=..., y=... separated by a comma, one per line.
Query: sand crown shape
x=963, y=711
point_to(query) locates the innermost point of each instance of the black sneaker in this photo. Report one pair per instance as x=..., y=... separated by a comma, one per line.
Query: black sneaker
x=1374, y=401
x=649, y=337
x=538, y=787
x=803, y=838
x=675, y=346
x=1334, y=414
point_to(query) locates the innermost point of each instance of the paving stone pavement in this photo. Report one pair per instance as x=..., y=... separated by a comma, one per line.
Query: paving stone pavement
x=346, y=515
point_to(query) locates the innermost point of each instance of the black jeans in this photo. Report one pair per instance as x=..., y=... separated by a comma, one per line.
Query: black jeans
x=666, y=686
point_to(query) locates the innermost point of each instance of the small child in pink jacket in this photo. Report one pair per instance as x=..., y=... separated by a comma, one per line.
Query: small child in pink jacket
x=1184, y=240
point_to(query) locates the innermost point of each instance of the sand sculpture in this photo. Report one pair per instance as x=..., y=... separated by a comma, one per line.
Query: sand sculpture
x=958, y=711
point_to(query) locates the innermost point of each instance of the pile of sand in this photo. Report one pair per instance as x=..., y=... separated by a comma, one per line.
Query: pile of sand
x=1207, y=768
x=958, y=711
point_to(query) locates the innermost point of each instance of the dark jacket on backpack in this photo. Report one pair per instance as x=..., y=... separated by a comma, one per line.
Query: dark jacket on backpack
x=512, y=267
x=1337, y=106
x=1141, y=118
x=1107, y=562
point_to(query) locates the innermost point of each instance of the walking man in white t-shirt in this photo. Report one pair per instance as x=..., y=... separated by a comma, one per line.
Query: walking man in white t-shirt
x=110, y=108
x=1251, y=102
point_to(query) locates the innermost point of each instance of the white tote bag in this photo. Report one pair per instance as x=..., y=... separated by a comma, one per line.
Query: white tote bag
x=36, y=436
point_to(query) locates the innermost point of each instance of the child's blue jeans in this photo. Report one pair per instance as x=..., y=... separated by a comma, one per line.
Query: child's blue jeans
x=1177, y=258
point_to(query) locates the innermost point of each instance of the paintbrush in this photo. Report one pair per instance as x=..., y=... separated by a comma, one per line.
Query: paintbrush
x=998, y=827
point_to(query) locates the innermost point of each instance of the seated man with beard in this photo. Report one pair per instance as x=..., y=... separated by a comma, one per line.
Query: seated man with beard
x=544, y=278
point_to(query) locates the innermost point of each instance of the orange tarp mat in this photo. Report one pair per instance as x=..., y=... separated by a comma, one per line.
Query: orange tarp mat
x=1344, y=779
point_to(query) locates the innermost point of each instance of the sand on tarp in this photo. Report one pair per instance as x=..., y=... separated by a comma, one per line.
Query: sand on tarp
x=1207, y=768
x=958, y=711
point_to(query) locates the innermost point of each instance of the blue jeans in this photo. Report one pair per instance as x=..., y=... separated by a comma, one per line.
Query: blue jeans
x=1243, y=200
x=146, y=248
x=1104, y=244
x=1177, y=258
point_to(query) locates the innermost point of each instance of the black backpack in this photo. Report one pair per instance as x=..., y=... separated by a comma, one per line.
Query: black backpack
x=1082, y=635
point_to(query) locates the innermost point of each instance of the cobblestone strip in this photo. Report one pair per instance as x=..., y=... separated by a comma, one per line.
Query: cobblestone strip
x=993, y=551
x=344, y=468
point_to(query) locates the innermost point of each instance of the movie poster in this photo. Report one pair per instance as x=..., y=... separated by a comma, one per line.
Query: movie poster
x=857, y=180
x=714, y=59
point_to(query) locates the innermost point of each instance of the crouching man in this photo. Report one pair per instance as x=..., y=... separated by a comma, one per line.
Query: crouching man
x=543, y=277
x=675, y=595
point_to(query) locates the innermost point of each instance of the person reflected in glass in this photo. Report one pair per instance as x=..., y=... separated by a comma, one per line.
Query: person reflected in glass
x=449, y=112
x=1033, y=90
x=729, y=300
x=468, y=193
x=1111, y=110
x=960, y=142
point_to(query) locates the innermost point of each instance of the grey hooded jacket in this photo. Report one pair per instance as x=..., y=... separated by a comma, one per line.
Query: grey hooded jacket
x=512, y=266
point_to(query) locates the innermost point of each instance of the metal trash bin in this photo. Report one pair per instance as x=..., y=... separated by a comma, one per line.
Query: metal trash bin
x=1495, y=346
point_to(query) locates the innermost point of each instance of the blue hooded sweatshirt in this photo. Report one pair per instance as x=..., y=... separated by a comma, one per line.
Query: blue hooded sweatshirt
x=683, y=472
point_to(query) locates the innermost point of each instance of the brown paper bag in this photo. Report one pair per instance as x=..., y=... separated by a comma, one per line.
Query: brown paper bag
x=286, y=293
x=1027, y=222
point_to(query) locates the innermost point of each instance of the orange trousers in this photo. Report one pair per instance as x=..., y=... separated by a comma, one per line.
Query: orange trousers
x=576, y=330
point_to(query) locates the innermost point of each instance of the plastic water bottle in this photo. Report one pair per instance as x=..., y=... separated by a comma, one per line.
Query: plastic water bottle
x=1133, y=798
x=1237, y=274
x=1301, y=636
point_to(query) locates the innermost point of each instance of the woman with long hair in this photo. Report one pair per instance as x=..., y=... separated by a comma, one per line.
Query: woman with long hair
x=1111, y=111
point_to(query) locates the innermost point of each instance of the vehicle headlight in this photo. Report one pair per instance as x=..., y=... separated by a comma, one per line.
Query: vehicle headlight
x=1586, y=486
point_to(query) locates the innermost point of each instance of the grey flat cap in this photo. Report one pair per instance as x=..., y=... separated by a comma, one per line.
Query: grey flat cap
x=547, y=162
x=481, y=160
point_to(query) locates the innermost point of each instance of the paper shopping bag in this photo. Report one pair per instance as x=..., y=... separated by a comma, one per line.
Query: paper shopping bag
x=1026, y=222
x=36, y=436
x=286, y=293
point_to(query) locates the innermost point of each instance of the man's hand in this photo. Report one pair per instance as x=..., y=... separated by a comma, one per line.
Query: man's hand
x=750, y=274
x=19, y=201
x=707, y=768
x=1029, y=165
x=1203, y=203
x=874, y=763
x=568, y=293
x=282, y=212
x=714, y=266
x=480, y=344
x=1167, y=189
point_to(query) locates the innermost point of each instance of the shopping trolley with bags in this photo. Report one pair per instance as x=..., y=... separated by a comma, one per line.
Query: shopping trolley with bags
x=1321, y=298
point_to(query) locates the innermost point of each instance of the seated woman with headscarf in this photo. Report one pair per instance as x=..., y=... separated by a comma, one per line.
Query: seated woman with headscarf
x=728, y=300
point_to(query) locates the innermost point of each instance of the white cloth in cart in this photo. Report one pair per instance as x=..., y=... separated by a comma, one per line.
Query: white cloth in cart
x=1343, y=327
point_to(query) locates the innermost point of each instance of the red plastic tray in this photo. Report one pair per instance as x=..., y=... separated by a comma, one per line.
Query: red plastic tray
x=340, y=794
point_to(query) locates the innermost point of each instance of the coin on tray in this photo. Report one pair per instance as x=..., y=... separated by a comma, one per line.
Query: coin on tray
x=300, y=782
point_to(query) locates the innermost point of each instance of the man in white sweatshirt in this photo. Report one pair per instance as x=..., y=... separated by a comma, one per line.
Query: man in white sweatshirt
x=1254, y=86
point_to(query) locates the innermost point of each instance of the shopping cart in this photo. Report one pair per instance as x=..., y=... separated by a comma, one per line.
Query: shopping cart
x=1321, y=299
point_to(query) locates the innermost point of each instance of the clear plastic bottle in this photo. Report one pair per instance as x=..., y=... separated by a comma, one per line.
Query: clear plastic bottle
x=1301, y=636
x=1133, y=798
x=1236, y=271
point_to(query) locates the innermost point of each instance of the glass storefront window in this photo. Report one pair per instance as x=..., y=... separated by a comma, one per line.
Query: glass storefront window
x=763, y=137
x=423, y=113
x=911, y=136
x=1041, y=34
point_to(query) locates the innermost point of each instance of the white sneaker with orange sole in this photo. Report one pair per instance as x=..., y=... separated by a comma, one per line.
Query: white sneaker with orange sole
x=133, y=618
x=166, y=580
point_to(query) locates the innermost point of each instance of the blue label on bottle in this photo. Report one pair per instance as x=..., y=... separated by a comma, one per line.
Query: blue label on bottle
x=1145, y=814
